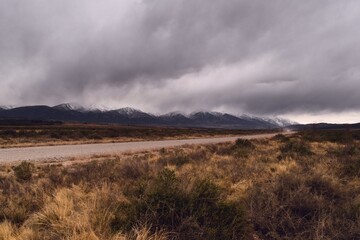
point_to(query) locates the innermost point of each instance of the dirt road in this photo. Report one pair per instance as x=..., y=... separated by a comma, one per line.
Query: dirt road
x=66, y=151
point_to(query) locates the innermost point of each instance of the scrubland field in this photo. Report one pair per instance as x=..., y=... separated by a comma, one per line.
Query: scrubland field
x=58, y=134
x=304, y=186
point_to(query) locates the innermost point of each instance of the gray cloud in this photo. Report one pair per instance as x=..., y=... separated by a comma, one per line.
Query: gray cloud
x=277, y=57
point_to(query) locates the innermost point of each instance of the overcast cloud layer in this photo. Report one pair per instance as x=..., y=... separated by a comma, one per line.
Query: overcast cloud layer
x=279, y=57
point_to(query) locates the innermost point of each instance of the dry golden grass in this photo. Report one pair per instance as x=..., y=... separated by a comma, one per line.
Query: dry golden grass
x=305, y=186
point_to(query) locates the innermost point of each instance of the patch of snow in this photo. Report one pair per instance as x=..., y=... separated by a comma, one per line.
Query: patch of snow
x=218, y=114
x=7, y=107
x=71, y=106
x=128, y=111
x=98, y=108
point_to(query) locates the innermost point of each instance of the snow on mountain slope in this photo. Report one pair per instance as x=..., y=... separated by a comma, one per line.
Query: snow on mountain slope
x=128, y=115
x=7, y=107
x=71, y=106
x=132, y=112
x=80, y=108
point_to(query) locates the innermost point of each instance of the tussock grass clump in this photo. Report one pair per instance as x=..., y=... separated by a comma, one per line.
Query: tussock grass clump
x=295, y=147
x=241, y=148
x=181, y=157
x=177, y=160
x=351, y=167
x=309, y=207
x=18, y=200
x=10, y=232
x=198, y=213
x=244, y=143
x=280, y=137
x=24, y=171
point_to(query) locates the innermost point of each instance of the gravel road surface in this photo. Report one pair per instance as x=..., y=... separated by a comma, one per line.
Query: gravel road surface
x=66, y=151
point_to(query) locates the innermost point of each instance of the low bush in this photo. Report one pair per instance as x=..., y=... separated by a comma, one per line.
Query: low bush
x=244, y=143
x=24, y=170
x=295, y=147
x=18, y=200
x=350, y=167
x=177, y=160
x=299, y=208
x=280, y=137
x=349, y=150
x=241, y=148
x=201, y=213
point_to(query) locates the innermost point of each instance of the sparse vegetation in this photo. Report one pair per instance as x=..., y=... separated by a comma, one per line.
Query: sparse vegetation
x=23, y=171
x=240, y=190
x=33, y=135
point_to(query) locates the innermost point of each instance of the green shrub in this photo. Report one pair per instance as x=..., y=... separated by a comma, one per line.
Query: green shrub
x=178, y=160
x=349, y=150
x=241, y=148
x=24, y=171
x=280, y=137
x=324, y=187
x=217, y=218
x=292, y=204
x=295, y=147
x=351, y=167
x=201, y=213
x=244, y=143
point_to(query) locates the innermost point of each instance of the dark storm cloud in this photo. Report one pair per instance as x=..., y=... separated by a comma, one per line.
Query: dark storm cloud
x=264, y=57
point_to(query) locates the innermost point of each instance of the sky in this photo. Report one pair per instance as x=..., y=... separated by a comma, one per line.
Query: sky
x=288, y=58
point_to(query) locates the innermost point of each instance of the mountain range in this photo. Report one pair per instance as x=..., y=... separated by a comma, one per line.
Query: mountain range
x=76, y=113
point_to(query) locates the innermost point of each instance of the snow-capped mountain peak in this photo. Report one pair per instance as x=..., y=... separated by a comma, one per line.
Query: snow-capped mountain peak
x=132, y=112
x=218, y=114
x=71, y=106
x=128, y=115
x=128, y=111
x=80, y=108
x=98, y=108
